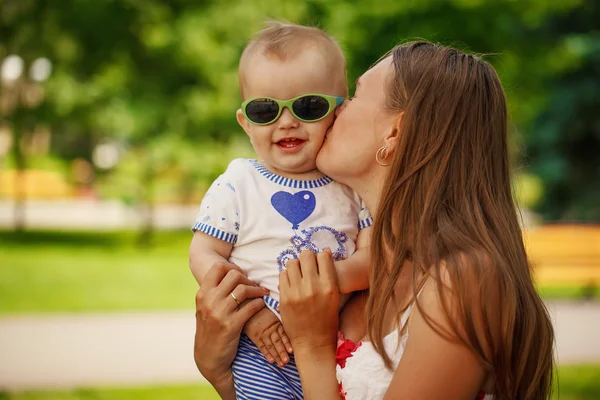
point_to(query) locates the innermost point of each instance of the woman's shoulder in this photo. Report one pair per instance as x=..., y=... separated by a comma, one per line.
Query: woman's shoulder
x=463, y=296
x=463, y=276
x=467, y=278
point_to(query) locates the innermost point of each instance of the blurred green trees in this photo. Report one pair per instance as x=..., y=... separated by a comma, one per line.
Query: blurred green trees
x=564, y=138
x=159, y=78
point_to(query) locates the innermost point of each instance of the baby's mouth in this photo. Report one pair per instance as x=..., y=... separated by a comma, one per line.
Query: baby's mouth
x=290, y=144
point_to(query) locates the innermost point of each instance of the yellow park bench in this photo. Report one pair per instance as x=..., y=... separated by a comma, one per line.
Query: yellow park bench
x=565, y=254
x=36, y=184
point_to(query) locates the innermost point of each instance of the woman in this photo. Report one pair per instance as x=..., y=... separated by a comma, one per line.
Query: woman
x=452, y=311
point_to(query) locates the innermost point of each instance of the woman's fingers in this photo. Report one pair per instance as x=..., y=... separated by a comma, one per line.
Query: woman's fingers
x=305, y=272
x=243, y=292
x=308, y=267
x=245, y=311
x=232, y=279
x=327, y=271
x=293, y=271
x=309, y=305
x=284, y=283
x=217, y=272
x=225, y=311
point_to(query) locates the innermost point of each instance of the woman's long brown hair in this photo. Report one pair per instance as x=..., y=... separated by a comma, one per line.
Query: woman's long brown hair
x=447, y=207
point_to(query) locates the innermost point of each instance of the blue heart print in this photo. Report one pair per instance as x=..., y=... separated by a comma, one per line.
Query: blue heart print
x=294, y=207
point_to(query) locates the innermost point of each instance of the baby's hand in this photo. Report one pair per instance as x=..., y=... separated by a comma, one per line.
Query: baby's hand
x=266, y=332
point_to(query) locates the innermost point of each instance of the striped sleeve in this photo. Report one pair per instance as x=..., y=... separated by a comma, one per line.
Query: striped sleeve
x=219, y=211
x=364, y=217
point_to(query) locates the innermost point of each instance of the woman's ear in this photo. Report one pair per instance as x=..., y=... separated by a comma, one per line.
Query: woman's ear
x=392, y=137
x=243, y=122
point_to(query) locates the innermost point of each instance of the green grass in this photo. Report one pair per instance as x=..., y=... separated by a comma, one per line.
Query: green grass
x=107, y=271
x=581, y=382
x=67, y=271
x=575, y=383
x=555, y=292
x=159, y=393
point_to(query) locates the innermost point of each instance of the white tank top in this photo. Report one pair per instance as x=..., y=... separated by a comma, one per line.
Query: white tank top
x=365, y=377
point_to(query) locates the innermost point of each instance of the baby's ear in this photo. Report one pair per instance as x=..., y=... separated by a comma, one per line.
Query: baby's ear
x=243, y=122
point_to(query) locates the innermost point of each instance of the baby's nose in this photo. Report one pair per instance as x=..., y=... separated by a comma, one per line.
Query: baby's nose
x=287, y=119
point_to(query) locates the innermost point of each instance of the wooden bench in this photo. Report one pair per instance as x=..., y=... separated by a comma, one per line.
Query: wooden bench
x=565, y=255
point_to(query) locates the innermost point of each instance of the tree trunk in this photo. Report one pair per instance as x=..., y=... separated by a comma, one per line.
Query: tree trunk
x=20, y=194
x=148, y=179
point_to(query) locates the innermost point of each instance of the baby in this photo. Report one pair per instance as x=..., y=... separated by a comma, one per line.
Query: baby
x=260, y=214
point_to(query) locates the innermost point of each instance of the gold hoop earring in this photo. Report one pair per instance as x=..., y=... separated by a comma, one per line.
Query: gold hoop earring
x=381, y=155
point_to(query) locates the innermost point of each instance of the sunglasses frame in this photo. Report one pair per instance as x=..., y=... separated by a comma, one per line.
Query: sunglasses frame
x=333, y=101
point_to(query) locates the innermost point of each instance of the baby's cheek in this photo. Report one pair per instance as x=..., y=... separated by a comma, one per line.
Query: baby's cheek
x=259, y=143
x=321, y=127
x=328, y=121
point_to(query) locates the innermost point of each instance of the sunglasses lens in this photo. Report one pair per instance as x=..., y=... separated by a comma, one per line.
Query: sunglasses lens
x=262, y=111
x=311, y=108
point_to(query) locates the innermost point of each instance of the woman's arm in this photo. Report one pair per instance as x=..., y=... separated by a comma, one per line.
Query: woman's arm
x=309, y=310
x=316, y=367
x=219, y=322
x=224, y=386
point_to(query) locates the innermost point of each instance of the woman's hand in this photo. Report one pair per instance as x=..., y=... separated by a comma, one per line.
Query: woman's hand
x=309, y=304
x=310, y=300
x=224, y=303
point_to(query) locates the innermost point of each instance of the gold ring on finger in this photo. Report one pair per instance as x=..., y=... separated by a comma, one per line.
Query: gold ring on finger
x=234, y=298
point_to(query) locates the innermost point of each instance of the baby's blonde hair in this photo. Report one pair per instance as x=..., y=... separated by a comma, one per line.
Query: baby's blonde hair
x=285, y=41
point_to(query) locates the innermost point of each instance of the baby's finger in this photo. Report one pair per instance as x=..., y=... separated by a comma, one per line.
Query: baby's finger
x=265, y=352
x=280, y=347
x=285, y=339
x=271, y=349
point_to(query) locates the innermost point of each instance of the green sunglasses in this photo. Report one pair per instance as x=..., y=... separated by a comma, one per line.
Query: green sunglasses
x=306, y=108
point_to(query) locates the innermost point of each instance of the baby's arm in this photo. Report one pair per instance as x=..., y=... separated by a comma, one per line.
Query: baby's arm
x=206, y=250
x=353, y=272
x=264, y=328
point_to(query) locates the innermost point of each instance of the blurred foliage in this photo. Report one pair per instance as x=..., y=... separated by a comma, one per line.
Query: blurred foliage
x=182, y=170
x=564, y=140
x=160, y=79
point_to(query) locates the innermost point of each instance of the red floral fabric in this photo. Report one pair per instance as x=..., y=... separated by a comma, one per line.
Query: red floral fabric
x=345, y=348
x=341, y=391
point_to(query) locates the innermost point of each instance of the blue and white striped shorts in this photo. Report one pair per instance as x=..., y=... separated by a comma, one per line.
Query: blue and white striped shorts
x=257, y=379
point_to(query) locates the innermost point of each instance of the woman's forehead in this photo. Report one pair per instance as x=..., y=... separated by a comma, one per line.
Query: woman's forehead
x=376, y=75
